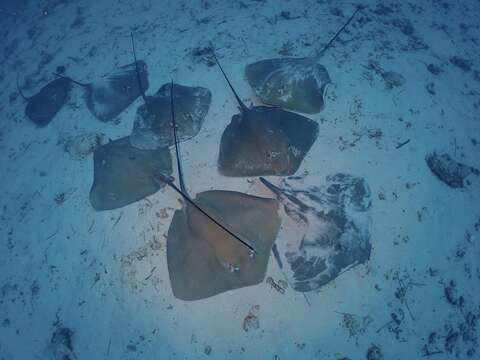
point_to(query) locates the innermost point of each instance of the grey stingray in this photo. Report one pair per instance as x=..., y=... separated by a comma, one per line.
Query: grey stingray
x=264, y=140
x=43, y=106
x=124, y=174
x=107, y=97
x=219, y=241
x=296, y=84
x=336, y=229
x=152, y=126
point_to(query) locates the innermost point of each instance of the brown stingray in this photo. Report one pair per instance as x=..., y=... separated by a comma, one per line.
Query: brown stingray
x=204, y=260
x=296, y=84
x=124, y=174
x=264, y=140
x=219, y=241
x=42, y=107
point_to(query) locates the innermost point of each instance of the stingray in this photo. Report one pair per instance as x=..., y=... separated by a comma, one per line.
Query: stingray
x=264, y=140
x=42, y=107
x=333, y=229
x=296, y=84
x=124, y=174
x=107, y=97
x=219, y=241
x=152, y=126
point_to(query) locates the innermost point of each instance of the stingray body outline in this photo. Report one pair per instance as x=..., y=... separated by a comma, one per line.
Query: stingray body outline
x=296, y=84
x=43, y=106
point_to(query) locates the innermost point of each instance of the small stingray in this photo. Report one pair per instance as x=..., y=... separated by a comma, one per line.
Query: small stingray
x=204, y=260
x=296, y=84
x=206, y=253
x=43, y=106
x=152, y=126
x=336, y=229
x=264, y=140
x=109, y=96
x=124, y=174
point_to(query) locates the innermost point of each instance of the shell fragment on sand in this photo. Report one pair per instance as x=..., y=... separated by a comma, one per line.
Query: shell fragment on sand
x=152, y=128
x=448, y=170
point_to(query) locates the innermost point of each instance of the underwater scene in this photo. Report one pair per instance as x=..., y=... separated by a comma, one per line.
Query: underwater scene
x=239, y=179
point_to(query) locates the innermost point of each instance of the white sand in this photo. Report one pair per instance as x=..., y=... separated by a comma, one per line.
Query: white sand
x=50, y=254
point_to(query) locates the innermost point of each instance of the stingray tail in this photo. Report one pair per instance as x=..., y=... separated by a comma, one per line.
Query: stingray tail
x=329, y=44
x=20, y=91
x=142, y=91
x=72, y=80
x=240, y=103
x=177, y=152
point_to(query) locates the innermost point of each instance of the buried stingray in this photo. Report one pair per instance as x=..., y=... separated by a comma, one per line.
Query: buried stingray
x=43, y=106
x=152, y=126
x=335, y=221
x=264, y=140
x=219, y=241
x=296, y=84
x=124, y=174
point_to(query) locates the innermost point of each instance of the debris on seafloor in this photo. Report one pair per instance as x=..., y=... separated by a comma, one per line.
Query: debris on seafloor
x=279, y=286
x=251, y=321
x=448, y=170
x=61, y=343
x=335, y=223
x=82, y=145
x=391, y=78
x=374, y=353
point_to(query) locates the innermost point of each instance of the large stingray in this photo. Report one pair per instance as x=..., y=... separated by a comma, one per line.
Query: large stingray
x=42, y=107
x=107, y=97
x=124, y=174
x=292, y=83
x=219, y=241
x=264, y=140
x=152, y=127
x=334, y=229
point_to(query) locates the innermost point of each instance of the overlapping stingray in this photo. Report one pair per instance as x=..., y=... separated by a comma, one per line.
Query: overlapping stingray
x=334, y=229
x=219, y=241
x=124, y=174
x=42, y=107
x=107, y=97
x=292, y=83
x=152, y=126
x=264, y=140
x=205, y=260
